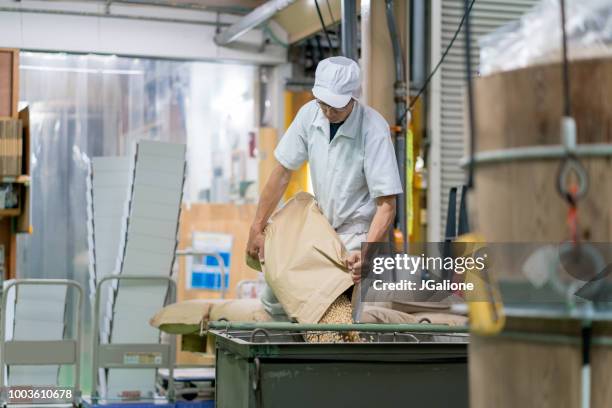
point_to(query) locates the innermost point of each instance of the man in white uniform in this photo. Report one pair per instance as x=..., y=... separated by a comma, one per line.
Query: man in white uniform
x=352, y=162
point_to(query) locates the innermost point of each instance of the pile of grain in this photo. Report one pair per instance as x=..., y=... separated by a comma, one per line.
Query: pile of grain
x=341, y=311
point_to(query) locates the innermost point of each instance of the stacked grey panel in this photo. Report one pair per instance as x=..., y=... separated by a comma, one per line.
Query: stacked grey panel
x=109, y=190
x=150, y=244
x=35, y=313
x=111, y=185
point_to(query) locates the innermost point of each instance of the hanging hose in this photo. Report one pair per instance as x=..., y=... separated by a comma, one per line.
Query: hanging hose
x=470, y=93
x=567, y=104
x=400, y=125
x=572, y=192
x=586, y=364
x=570, y=168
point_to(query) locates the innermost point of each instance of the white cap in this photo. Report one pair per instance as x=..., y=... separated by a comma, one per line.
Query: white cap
x=337, y=80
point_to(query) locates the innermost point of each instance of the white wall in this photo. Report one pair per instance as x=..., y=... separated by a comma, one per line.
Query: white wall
x=41, y=25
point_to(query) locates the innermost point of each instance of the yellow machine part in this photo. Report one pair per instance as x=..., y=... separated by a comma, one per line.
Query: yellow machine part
x=486, y=316
x=298, y=182
x=294, y=100
x=415, y=201
x=410, y=157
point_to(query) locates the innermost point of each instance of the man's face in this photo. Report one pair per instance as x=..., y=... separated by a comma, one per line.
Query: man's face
x=336, y=115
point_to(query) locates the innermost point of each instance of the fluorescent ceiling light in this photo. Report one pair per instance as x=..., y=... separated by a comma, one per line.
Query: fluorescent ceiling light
x=82, y=70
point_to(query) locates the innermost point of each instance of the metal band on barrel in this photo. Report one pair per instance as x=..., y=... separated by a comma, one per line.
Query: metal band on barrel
x=538, y=152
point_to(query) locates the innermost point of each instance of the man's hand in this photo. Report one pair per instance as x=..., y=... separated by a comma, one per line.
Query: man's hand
x=354, y=265
x=255, y=245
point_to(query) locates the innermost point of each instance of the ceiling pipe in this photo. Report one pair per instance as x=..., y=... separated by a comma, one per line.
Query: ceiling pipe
x=260, y=15
x=109, y=15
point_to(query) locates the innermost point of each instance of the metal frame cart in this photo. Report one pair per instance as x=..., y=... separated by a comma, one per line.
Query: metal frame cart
x=42, y=352
x=113, y=355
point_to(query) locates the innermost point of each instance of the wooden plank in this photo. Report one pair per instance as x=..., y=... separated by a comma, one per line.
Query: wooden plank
x=15, y=100
x=9, y=82
x=6, y=88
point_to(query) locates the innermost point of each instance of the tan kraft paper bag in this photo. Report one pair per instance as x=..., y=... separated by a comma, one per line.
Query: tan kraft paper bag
x=304, y=260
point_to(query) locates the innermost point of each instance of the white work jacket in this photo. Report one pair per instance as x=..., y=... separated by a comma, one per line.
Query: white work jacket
x=349, y=172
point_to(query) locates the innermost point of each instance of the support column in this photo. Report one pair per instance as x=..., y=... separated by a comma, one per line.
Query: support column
x=380, y=88
x=349, y=29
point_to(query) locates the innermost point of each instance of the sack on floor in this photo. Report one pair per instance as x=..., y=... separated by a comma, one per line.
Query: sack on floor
x=304, y=260
x=239, y=310
x=183, y=317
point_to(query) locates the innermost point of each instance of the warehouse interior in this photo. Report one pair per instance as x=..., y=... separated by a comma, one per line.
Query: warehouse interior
x=175, y=230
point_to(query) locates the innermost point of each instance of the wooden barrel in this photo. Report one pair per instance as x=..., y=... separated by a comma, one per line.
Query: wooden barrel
x=537, y=362
x=534, y=363
x=517, y=200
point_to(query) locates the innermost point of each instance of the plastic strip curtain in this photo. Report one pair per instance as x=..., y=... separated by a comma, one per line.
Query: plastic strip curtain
x=84, y=106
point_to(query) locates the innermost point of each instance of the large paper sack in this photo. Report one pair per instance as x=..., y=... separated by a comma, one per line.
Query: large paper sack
x=304, y=260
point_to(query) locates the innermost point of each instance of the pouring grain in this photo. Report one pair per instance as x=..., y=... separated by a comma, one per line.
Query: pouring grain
x=340, y=312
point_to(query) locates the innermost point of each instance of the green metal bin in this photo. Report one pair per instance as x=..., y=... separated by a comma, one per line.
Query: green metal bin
x=277, y=370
